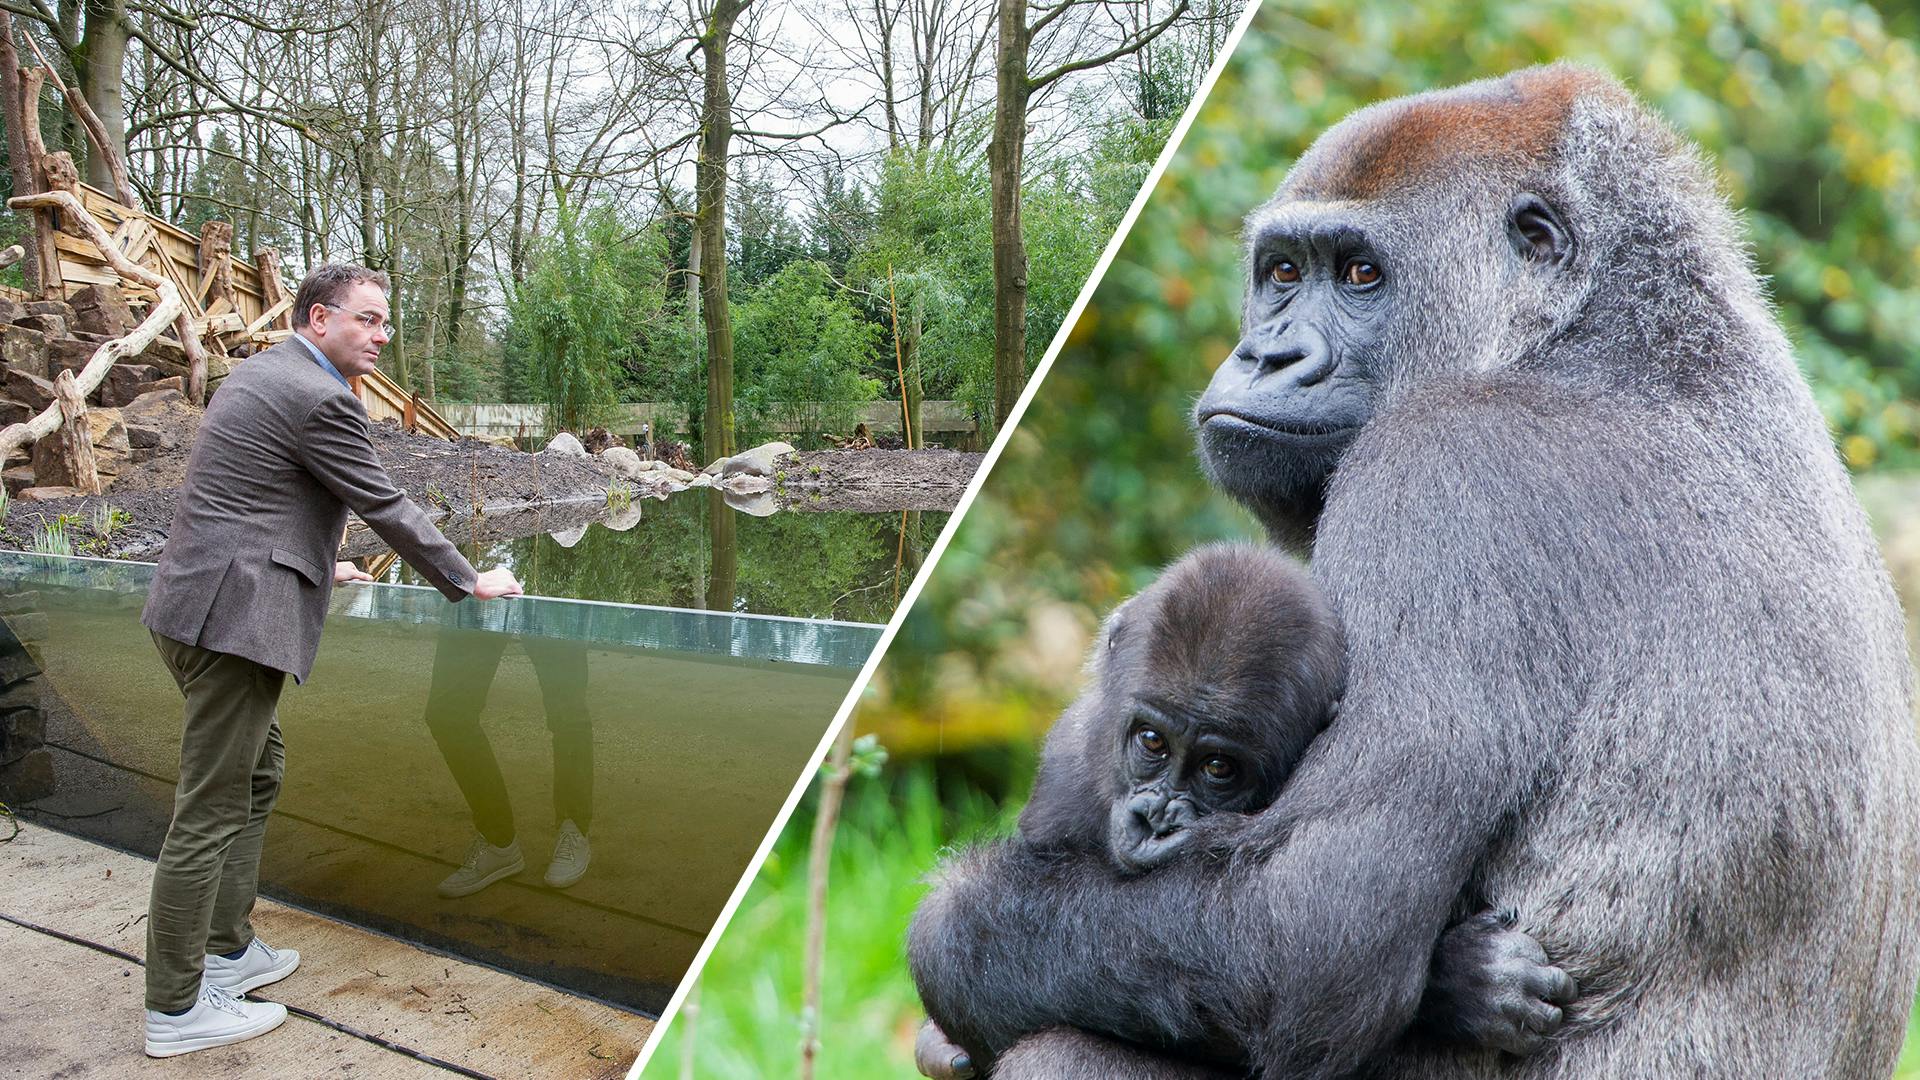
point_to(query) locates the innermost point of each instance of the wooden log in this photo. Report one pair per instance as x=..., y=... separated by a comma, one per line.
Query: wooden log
x=48, y=270
x=273, y=290
x=96, y=131
x=75, y=447
x=216, y=263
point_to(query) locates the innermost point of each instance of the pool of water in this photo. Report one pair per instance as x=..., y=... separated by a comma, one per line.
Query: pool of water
x=694, y=551
x=675, y=734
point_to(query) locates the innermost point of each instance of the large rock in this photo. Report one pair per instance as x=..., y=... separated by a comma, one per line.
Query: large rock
x=565, y=445
x=168, y=357
x=10, y=310
x=13, y=412
x=173, y=384
x=47, y=493
x=17, y=479
x=626, y=464
x=111, y=452
x=143, y=438
x=51, y=325
x=101, y=309
x=35, y=392
x=758, y=461
x=24, y=348
x=126, y=381
x=50, y=307
x=108, y=430
x=68, y=354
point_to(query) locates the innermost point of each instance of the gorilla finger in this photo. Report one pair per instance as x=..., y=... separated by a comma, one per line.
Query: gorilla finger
x=1519, y=946
x=937, y=1057
x=1541, y=1018
x=1518, y=1041
x=1552, y=984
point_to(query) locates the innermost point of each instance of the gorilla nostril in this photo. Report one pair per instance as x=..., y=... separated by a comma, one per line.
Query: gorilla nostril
x=1282, y=358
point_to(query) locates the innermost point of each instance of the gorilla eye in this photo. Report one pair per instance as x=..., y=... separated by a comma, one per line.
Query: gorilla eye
x=1151, y=741
x=1219, y=768
x=1284, y=273
x=1362, y=273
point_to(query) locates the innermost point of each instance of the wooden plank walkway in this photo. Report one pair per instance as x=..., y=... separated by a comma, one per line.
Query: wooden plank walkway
x=71, y=1011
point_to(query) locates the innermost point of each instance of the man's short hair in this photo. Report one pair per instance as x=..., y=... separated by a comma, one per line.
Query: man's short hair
x=328, y=283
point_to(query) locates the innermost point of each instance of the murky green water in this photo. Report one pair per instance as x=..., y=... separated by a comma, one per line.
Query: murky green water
x=693, y=551
x=676, y=734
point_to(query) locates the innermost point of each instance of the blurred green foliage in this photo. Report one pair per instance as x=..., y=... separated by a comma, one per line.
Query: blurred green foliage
x=1811, y=112
x=748, y=1022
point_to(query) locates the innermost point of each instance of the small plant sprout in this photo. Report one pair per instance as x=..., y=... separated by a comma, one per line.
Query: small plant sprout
x=50, y=537
x=107, y=520
x=619, y=495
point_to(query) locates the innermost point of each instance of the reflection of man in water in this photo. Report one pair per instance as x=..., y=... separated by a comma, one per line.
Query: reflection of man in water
x=464, y=665
x=237, y=604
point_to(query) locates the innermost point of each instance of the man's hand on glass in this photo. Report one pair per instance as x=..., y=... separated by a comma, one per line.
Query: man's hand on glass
x=496, y=583
x=345, y=573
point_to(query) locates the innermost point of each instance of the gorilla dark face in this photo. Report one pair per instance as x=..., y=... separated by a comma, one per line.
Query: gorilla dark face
x=1212, y=683
x=1325, y=306
x=1176, y=767
x=1280, y=411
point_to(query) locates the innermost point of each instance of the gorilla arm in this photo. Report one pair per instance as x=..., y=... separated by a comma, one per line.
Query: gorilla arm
x=1310, y=947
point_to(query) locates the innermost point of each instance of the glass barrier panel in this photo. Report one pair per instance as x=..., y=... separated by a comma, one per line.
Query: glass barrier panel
x=670, y=737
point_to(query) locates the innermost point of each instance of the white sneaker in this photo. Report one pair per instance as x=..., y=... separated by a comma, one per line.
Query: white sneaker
x=216, y=1019
x=485, y=865
x=259, y=965
x=571, y=853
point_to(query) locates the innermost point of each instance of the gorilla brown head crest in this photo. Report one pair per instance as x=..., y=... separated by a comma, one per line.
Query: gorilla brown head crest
x=1500, y=225
x=1496, y=127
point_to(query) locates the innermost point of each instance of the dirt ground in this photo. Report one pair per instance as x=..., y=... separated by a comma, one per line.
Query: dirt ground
x=876, y=480
x=456, y=478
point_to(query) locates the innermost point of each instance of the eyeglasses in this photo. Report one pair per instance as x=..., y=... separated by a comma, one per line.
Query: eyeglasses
x=368, y=319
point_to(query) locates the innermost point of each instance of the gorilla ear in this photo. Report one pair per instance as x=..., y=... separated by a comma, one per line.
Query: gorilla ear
x=1537, y=233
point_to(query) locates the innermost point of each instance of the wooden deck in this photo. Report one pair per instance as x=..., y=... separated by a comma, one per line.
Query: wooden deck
x=74, y=1011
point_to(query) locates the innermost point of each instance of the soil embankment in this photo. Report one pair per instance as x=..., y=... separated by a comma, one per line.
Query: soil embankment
x=452, y=480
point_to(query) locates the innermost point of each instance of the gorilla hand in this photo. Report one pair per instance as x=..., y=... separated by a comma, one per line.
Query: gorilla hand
x=937, y=1057
x=1492, y=985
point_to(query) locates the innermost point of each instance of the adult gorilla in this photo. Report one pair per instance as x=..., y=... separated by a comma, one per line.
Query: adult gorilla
x=1623, y=656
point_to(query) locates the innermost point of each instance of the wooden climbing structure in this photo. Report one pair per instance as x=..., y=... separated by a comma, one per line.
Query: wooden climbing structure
x=236, y=306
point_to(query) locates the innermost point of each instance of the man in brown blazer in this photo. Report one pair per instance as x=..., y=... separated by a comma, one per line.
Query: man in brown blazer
x=236, y=606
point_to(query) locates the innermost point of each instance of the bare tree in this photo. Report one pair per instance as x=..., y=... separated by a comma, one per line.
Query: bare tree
x=1088, y=33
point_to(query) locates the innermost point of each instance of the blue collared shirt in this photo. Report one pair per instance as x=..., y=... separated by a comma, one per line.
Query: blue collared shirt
x=321, y=359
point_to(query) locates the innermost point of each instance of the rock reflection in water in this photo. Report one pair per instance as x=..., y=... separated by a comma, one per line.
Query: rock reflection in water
x=697, y=551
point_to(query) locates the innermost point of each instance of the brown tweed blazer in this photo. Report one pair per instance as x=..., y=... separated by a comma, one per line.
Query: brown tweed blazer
x=283, y=453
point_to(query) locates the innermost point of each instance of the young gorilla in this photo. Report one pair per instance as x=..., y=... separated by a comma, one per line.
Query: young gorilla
x=1207, y=689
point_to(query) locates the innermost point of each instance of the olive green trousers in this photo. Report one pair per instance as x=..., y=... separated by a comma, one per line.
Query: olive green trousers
x=231, y=760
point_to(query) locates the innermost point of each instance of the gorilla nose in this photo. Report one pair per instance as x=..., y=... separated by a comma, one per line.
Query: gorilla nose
x=1302, y=355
